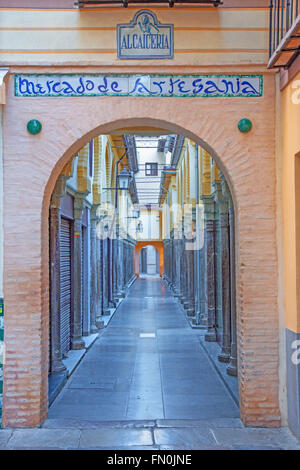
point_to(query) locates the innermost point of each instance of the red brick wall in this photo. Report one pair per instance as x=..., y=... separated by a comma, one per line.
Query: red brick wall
x=31, y=166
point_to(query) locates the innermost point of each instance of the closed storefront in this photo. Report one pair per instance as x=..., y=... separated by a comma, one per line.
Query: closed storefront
x=65, y=285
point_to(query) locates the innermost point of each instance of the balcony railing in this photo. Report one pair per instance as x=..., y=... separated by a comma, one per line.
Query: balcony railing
x=284, y=34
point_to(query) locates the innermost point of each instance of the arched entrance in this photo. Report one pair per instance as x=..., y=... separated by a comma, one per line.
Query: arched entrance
x=141, y=244
x=248, y=164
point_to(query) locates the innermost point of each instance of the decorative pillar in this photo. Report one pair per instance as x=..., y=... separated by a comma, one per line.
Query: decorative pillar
x=185, y=273
x=169, y=261
x=100, y=287
x=76, y=324
x=182, y=269
x=176, y=269
x=112, y=258
x=165, y=242
x=199, y=275
x=115, y=268
x=223, y=261
x=56, y=364
x=105, y=275
x=86, y=279
x=189, y=305
x=166, y=260
x=94, y=276
x=191, y=274
x=171, y=252
x=209, y=286
x=121, y=268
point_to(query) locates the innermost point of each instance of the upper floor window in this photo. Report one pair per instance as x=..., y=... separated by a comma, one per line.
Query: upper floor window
x=151, y=169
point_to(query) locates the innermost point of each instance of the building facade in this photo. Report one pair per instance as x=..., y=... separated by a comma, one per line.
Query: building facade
x=284, y=58
x=232, y=172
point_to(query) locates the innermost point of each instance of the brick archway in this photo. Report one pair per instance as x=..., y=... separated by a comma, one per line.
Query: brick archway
x=158, y=245
x=31, y=167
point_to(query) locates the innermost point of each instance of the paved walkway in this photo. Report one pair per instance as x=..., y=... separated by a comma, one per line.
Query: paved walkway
x=148, y=364
x=146, y=383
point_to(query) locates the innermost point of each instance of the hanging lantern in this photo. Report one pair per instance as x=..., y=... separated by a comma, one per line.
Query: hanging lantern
x=124, y=178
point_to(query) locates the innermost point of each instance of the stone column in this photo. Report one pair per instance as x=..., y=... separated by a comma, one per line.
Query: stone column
x=131, y=259
x=76, y=323
x=177, y=256
x=232, y=367
x=86, y=280
x=56, y=364
x=203, y=290
x=224, y=284
x=169, y=262
x=172, y=270
x=166, y=260
x=209, y=286
x=186, y=276
x=111, y=261
x=175, y=267
x=128, y=262
x=106, y=268
x=122, y=268
x=127, y=271
x=95, y=281
x=196, y=264
x=190, y=269
x=182, y=269
x=115, y=255
x=116, y=280
x=189, y=304
x=199, y=275
x=100, y=283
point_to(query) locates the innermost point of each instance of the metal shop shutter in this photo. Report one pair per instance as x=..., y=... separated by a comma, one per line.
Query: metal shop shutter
x=65, y=285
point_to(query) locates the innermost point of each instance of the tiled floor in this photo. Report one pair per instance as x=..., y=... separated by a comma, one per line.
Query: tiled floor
x=148, y=364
